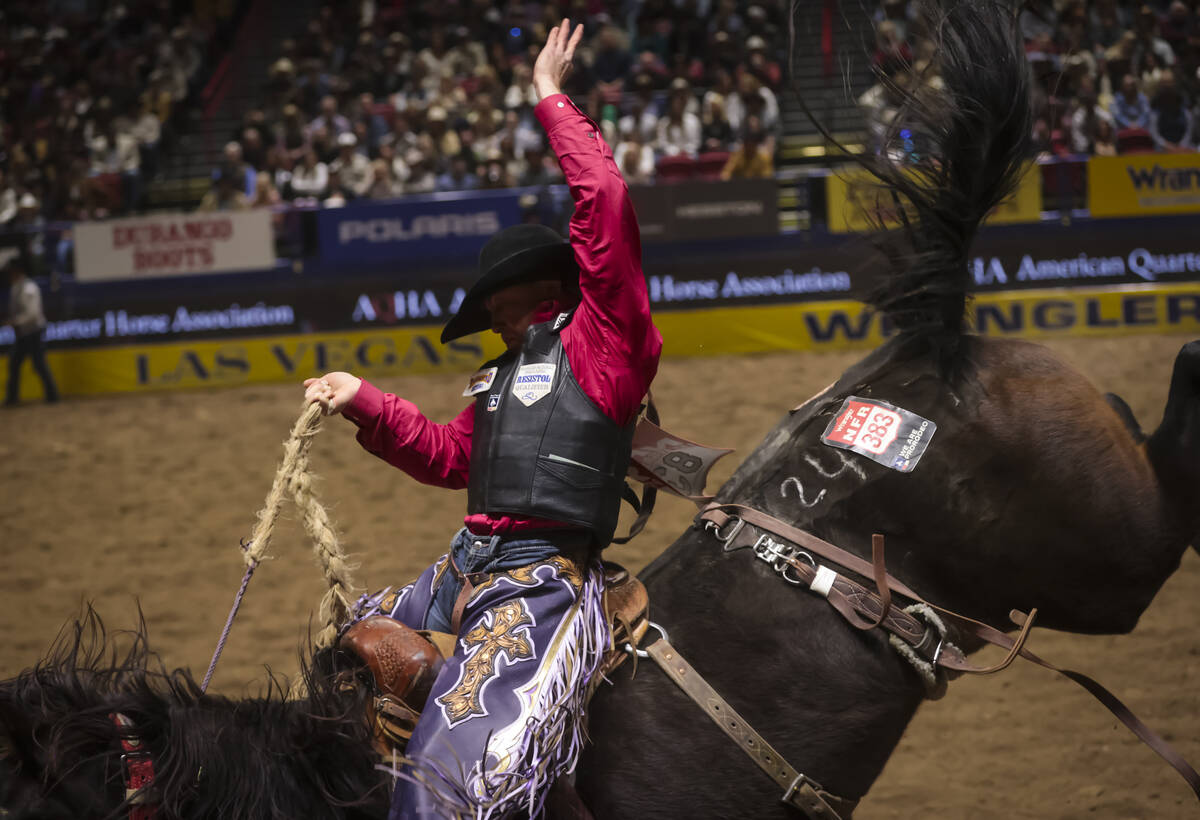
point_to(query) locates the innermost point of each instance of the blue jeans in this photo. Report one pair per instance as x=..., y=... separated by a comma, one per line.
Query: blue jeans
x=480, y=553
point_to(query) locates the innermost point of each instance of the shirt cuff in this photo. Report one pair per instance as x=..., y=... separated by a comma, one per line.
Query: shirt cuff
x=554, y=109
x=366, y=406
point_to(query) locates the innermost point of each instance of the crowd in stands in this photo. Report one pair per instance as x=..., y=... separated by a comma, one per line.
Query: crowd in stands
x=1111, y=76
x=87, y=101
x=377, y=100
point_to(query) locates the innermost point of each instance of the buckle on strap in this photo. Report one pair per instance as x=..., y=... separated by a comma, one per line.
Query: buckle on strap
x=805, y=794
x=631, y=649
x=725, y=533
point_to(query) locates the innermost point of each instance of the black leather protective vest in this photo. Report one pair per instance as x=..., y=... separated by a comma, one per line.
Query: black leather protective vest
x=540, y=447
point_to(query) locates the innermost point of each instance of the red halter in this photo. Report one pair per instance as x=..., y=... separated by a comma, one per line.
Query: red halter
x=137, y=767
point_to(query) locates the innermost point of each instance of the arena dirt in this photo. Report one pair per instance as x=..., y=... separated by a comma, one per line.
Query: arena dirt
x=126, y=501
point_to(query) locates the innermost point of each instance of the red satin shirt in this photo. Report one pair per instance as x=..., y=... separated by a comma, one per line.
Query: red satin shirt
x=611, y=343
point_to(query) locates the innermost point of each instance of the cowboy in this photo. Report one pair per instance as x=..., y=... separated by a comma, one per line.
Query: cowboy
x=542, y=450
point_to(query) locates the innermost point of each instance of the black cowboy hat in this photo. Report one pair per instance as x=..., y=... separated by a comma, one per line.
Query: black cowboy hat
x=514, y=256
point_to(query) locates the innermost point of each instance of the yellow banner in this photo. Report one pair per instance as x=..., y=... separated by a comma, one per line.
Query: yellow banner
x=856, y=201
x=812, y=326
x=847, y=325
x=233, y=362
x=1144, y=184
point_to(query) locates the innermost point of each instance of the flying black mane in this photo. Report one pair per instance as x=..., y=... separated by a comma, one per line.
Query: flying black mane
x=264, y=757
x=955, y=149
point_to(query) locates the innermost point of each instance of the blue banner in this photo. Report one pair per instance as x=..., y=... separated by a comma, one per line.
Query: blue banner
x=435, y=226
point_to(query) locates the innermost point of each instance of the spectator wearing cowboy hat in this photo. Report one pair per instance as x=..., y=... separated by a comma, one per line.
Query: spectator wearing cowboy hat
x=542, y=450
x=760, y=63
x=352, y=170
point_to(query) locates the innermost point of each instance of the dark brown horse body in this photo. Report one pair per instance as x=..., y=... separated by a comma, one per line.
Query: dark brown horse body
x=1033, y=493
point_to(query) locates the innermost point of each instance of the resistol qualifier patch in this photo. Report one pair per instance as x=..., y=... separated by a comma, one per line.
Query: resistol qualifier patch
x=884, y=433
x=533, y=382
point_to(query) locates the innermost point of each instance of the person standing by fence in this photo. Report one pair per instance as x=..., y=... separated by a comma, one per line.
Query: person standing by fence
x=28, y=322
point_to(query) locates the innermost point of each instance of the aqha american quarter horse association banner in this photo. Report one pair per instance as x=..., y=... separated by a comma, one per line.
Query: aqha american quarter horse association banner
x=174, y=244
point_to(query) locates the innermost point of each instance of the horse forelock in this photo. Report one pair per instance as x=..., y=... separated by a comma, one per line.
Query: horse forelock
x=213, y=756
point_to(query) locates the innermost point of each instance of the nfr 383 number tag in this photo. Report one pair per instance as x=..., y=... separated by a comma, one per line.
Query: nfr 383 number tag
x=884, y=433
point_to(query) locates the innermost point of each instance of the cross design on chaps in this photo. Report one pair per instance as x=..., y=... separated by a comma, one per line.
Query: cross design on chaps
x=485, y=644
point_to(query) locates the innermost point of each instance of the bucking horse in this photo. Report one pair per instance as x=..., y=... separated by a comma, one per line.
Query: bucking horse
x=963, y=483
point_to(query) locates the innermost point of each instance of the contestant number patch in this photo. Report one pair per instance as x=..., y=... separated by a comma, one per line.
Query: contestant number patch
x=481, y=381
x=533, y=382
x=889, y=435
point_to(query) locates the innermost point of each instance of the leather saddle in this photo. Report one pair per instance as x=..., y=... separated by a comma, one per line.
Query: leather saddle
x=405, y=662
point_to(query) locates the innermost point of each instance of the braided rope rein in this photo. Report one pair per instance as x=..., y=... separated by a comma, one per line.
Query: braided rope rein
x=293, y=478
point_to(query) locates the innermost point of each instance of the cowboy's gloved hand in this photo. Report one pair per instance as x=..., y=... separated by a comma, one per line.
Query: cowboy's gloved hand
x=333, y=391
x=554, y=62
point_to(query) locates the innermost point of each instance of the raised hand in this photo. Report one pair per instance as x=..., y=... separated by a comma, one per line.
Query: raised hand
x=554, y=62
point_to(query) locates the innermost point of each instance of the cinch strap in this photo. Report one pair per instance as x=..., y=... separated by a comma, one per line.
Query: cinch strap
x=800, y=792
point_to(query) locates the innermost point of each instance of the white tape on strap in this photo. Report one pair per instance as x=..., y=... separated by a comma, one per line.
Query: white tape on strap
x=823, y=582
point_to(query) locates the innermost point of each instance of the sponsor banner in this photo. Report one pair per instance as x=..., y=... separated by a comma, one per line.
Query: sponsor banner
x=1122, y=311
x=285, y=304
x=1090, y=252
x=707, y=210
x=831, y=325
x=272, y=307
x=173, y=245
x=1144, y=184
x=856, y=202
x=441, y=225
x=774, y=271
x=233, y=362
x=764, y=281
x=127, y=322
x=848, y=325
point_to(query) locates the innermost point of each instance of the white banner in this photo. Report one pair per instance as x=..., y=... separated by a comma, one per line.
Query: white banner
x=174, y=244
